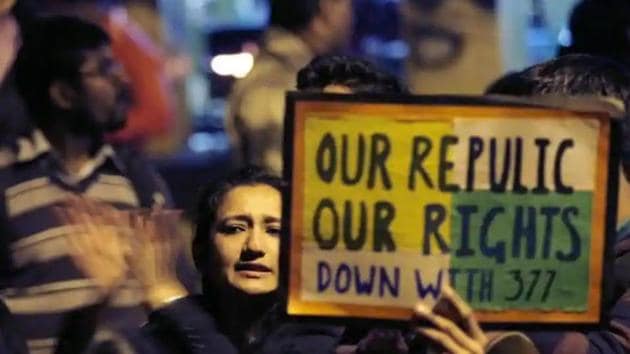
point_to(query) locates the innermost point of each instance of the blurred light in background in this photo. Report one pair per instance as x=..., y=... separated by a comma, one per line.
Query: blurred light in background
x=197, y=5
x=203, y=142
x=236, y=65
x=564, y=37
x=392, y=49
x=514, y=19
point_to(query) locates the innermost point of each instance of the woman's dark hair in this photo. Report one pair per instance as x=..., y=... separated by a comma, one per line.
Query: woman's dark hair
x=211, y=198
x=358, y=74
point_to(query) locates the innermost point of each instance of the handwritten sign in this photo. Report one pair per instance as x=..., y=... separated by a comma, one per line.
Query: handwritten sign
x=390, y=202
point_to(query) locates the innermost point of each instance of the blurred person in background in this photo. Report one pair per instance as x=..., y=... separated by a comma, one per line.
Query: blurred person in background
x=298, y=31
x=579, y=75
x=602, y=28
x=75, y=92
x=152, y=113
x=14, y=120
x=9, y=37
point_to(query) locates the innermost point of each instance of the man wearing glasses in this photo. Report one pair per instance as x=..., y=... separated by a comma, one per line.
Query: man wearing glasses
x=75, y=93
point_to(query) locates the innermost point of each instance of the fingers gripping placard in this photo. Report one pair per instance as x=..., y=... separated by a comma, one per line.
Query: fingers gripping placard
x=392, y=202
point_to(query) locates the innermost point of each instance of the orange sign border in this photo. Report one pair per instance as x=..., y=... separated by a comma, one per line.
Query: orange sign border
x=398, y=111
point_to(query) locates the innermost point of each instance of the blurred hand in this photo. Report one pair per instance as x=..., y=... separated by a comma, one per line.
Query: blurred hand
x=96, y=245
x=155, y=246
x=454, y=328
x=108, y=243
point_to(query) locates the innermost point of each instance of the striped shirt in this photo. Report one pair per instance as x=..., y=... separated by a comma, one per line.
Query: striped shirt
x=39, y=281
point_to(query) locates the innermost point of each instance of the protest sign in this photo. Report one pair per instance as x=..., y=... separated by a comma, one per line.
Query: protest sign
x=393, y=199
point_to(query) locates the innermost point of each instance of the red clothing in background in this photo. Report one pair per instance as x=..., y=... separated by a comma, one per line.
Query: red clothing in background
x=152, y=112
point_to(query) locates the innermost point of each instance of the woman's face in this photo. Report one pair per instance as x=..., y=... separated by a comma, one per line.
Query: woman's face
x=246, y=237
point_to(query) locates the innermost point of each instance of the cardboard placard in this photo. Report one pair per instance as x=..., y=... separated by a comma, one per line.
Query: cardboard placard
x=392, y=199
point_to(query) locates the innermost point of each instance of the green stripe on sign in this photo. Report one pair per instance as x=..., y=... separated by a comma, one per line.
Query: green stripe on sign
x=521, y=251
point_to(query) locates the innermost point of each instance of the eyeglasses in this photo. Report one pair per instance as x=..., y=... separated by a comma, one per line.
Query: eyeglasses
x=106, y=68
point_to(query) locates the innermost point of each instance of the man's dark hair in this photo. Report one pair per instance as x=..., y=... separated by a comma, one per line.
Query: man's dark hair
x=512, y=83
x=571, y=75
x=293, y=15
x=53, y=49
x=580, y=74
x=358, y=74
x=209, y=202
x=600, y=27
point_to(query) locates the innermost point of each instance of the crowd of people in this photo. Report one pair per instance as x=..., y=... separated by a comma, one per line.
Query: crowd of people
x=90, y=257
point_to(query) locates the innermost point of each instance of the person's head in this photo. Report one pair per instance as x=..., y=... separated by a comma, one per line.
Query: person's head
x=342, y=74
x=600, y=27
x=328, y=22
x=237, y=237
x=68, y=77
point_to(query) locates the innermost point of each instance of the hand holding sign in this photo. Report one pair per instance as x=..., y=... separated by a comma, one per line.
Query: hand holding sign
x=455, y=328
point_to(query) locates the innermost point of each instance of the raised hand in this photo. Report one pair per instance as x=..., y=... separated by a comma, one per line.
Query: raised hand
x=97, y=244
x=155, y=245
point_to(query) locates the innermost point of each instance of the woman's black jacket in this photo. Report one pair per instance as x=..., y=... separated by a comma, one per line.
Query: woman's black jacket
x=188, y=326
